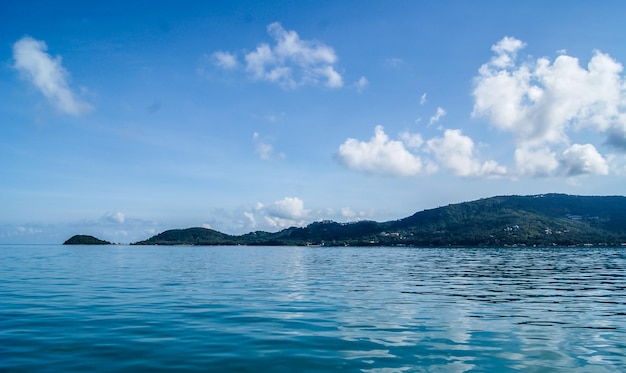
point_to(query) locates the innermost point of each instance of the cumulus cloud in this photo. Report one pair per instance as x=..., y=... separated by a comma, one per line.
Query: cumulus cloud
x=455, y=152
x=288, y=208
x=284, y=213
x=289, y=62
x=379, y=155
x=47, y=74
x=540, y=101
x=438, y=115
x=535, y=162
x=279, y=214
x=506, y=50
x=583, y=160
x=291, y=212
x=543, y=102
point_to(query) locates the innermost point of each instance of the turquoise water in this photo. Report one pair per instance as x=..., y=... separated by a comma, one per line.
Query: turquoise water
x=298, y=309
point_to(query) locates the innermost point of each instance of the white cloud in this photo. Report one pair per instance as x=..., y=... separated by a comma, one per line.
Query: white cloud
x=541, y=101
x=617, y=163
x=206, y=226
x=347, y=212
x=264, y=149
x=28, y=230
x=380, y=155
x=273, y=118
x=288, y=208
x=411, y=140
x=438, y=115
x=506, y=50
x=535, y=162
x=361, y=84
x=583, y=160
x=394, y=62
x=423, y=99
x=113, y=217
x=225, y=60
x=289, y=212
x=284, y=213
x=350, y=215
x=456, y=152
x=250, y=217
x=46, y=74
x=334, y=78
x=290, y=62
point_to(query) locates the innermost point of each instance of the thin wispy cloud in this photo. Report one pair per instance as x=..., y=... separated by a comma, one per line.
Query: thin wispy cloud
x=394, y=62
x=264, y=149
x=361, y=84
x=440, y=113
x=116, y=217
x=47, y=74
x=225, y=60
x=423, y=98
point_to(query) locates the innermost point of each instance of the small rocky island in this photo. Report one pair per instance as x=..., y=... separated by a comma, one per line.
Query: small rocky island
x=83, y=239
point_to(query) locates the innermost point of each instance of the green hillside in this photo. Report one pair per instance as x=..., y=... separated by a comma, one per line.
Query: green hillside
x=548, y=219
x=190, y=236
x=83, y=239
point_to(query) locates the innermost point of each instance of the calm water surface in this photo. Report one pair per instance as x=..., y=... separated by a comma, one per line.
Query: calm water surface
x=286, y=309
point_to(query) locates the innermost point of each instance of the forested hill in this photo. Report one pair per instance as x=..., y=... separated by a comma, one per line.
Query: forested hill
x=83, y=239
x=546, y=219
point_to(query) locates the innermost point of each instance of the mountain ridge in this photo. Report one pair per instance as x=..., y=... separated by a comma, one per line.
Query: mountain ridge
x=542, y=219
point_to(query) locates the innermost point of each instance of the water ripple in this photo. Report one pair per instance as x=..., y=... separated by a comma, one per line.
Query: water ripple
x=312, y=309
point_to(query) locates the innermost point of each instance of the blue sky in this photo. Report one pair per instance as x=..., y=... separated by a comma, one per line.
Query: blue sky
x=123, y=119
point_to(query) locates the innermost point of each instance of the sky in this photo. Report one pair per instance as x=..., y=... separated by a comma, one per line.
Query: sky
x=125, y=119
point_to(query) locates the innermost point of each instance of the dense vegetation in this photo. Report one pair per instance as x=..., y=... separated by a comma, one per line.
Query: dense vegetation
x=550, y=219
x=82, y=239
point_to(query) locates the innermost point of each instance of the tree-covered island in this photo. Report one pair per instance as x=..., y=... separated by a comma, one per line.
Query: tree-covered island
x=541, y=220
x=83, y=239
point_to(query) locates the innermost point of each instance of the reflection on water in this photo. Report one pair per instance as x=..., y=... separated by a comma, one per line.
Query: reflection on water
x=312, y=309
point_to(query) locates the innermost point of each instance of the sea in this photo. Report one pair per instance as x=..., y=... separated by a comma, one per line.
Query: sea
x=311, y=309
